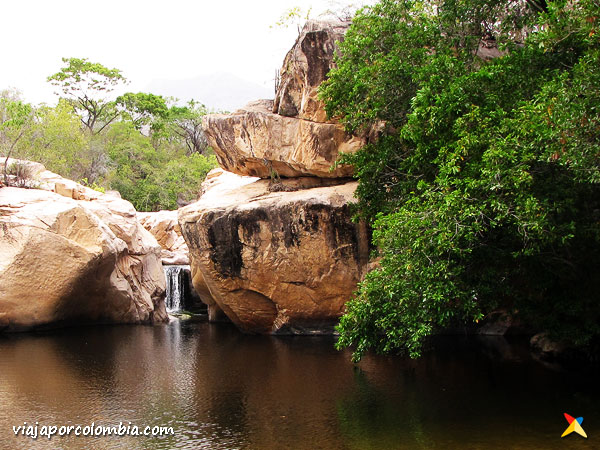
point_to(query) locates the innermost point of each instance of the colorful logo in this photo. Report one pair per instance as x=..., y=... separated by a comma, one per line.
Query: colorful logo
x=574, y=426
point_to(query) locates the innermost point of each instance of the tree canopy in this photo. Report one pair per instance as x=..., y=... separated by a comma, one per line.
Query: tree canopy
x=483, y=187
x=149, y=148
x=88, y=85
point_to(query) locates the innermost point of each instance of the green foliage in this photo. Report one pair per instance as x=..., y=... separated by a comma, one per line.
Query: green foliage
x=294, y=15
x=151, y=151
x=484, y=189
x=143, y=109
x=152, y=178
x=56, y=140
x=184, y=123
x=15, y=119
x=94, y=186
x=87, y=85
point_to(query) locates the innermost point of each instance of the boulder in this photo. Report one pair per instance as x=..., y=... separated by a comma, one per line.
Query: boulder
x=290, y=136
x=73, y=255
x=255, y=142
x=165, y=229
x=305, y=67
x=276, y=262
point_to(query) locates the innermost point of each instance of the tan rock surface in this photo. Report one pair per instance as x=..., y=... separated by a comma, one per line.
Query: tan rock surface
x=305, y=67
x=255, y=142
x=73, y=256
x=276, y=262
x=165, y=229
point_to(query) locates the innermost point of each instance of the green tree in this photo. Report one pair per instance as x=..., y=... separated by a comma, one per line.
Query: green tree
x=152, y=177
x=483, y=188
x=87, y=85
x=184, y=123
x=16, y=118
x=56, y=140
x=143, y=109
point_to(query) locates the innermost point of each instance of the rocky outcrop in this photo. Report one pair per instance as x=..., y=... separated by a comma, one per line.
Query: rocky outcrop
x=290, y=137
x=255, y=142
x=281, y=254
x=165, y=229
x=74, y=255
x=276, y=262
x=304, y=69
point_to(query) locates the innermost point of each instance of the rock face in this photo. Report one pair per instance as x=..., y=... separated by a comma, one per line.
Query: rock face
x=276, y=262
x=165, y=229
x=291, y=136
x=305, y=67
x=74, y=255
x=255, y=142
x=281, y=254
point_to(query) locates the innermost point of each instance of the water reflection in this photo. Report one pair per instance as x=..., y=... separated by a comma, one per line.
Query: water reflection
x=220, y=389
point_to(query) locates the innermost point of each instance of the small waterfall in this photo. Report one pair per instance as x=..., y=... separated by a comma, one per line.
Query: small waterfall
x=175, y=277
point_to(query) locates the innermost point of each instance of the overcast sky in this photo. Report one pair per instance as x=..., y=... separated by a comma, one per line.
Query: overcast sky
x=145, y=39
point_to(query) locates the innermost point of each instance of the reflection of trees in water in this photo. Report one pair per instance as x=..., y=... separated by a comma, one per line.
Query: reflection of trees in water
x=371, y=418
x=224, y=390
x=464, y=393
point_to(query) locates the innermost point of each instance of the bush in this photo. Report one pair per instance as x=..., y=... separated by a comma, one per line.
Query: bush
x=484, y=190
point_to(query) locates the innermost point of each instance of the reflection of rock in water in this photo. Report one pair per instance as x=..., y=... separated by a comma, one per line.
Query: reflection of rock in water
x=180, y=294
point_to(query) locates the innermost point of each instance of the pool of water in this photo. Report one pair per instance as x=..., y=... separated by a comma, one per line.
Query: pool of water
x=220, y=389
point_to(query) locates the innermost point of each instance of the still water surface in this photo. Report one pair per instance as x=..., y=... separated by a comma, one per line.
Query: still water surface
x=220, y=389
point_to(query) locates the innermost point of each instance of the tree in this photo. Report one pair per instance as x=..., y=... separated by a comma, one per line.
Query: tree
x=152, y=177
x=483, y=189
x=87, y=86
x=185, y=122
x=56, y=140
x=143, y=109
x=15, y=119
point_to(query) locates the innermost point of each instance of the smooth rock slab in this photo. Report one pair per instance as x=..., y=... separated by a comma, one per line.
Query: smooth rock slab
x=277, y=262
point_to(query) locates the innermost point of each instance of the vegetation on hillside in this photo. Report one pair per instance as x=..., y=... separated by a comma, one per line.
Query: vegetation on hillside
x=483, y=189
x=147, y=147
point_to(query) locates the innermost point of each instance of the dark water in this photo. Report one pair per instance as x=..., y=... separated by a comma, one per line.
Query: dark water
x=223, y=390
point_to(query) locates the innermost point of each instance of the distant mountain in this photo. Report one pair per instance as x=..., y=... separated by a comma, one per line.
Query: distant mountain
x=219, y=91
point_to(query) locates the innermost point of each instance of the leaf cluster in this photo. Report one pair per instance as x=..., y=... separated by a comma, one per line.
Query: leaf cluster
x=483, y=191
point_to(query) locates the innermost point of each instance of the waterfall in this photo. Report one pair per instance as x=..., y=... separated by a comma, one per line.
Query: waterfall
x=175, y=277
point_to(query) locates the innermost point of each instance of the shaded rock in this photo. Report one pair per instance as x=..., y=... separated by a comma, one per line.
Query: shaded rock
x=165, y=229
x=276, y=262
x=255, y=142
x=546, y=347
x=501, y=323
x=75, y=256
x=305, y=67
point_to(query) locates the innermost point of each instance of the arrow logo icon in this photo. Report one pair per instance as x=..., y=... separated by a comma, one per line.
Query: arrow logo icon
x=574, y=426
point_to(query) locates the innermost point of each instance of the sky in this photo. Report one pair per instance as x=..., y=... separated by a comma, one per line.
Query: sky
x=146, y=39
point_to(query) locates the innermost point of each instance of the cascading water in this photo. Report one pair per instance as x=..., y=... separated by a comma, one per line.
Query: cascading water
x=175, y=277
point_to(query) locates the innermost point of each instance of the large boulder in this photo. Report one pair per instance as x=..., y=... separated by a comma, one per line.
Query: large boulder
x=276, y=262
x=305, y=67
x=255, y=142
x=73, y=255
x=290, y=136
